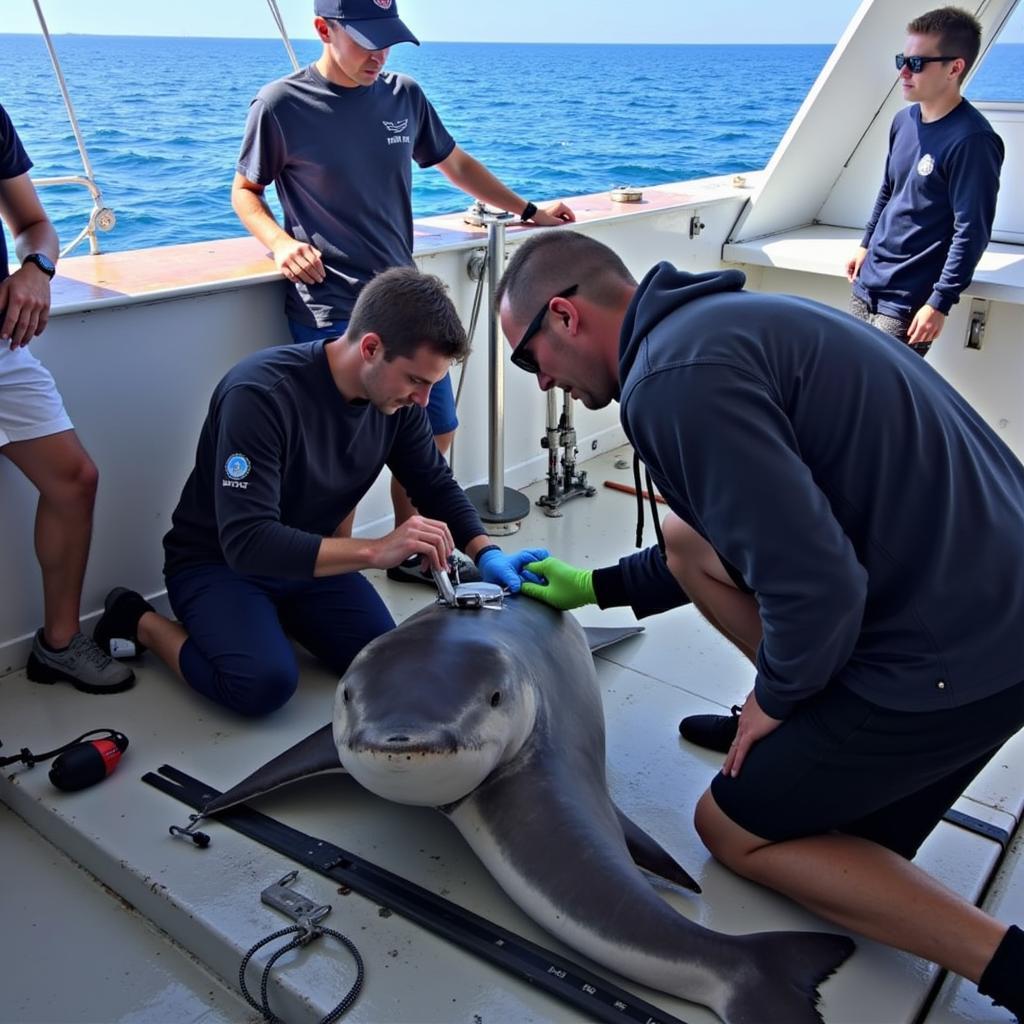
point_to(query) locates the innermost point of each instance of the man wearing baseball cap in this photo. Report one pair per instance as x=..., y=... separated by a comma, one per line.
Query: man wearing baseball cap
x=372, y=25
x=337, y=139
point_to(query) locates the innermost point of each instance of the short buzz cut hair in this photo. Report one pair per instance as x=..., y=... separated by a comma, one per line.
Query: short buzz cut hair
x=552, y=261
x=408, y=310
x=958, y=30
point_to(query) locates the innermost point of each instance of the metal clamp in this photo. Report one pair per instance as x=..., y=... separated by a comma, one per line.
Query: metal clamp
x=479, y=214
x=293, y=904
x=445, y=587
x=479, y=595
x=307, y=916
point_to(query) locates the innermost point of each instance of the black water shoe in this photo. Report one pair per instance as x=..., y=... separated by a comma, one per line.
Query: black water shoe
x=116, y=633
x=713, y=732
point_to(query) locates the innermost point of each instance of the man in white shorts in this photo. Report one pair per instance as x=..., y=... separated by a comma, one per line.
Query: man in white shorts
x=37, y=436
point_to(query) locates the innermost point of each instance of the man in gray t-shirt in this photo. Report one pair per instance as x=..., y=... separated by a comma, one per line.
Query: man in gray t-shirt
x=337, y=139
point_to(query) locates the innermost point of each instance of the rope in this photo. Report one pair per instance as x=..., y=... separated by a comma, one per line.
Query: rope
x=284, y=33
x=26, y=757
x=97, y=198
x=303, y=935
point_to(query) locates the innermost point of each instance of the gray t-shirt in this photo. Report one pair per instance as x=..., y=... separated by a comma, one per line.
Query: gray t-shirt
x=341, y=160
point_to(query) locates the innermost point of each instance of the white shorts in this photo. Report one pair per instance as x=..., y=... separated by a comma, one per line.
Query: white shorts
x=30, y=404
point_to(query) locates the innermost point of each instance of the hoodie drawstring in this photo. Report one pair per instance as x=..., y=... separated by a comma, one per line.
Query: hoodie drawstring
x=638, y=486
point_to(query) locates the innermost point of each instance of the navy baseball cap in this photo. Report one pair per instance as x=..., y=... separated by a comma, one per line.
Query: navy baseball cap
x=373, y=24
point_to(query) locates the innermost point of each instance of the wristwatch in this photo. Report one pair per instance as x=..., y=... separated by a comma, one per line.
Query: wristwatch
x=528, y=212
x=42, y=261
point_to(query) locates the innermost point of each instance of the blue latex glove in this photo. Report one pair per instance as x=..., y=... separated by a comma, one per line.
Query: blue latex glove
x=524, y=558
x=497, y=567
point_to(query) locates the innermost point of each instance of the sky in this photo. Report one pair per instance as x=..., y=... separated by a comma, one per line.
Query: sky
x=542, y=21
x=575, y=21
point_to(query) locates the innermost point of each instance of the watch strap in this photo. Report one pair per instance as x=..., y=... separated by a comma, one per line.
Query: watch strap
x=42, y=261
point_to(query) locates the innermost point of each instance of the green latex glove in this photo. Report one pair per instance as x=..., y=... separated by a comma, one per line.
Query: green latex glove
x=567, y=587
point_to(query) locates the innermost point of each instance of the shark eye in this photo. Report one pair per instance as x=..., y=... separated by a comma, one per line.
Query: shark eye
x=346, y=696
x=495, y=698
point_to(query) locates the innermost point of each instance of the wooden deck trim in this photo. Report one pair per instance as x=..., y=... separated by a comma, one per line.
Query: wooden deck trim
x=85, y=283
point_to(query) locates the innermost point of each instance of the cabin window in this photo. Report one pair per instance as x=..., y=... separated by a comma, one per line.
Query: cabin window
x=1000, y=76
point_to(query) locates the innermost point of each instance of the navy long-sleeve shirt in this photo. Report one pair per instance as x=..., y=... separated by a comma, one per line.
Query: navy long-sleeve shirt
x=283, y=458
x=878, y=520
x=933, y=215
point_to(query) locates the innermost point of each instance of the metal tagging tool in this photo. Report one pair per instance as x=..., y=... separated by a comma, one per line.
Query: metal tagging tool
x=467, y=595
x=307, y=915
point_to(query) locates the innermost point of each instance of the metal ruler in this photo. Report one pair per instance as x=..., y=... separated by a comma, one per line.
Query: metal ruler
x=588, y=993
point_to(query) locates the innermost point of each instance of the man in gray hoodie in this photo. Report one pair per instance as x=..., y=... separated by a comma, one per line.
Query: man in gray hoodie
x=831, y=494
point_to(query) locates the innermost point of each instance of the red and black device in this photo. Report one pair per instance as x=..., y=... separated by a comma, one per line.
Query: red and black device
x=81, y=763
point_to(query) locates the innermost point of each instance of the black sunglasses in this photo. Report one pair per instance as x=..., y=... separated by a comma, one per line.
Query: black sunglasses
x=916, y=64
x=520, y=356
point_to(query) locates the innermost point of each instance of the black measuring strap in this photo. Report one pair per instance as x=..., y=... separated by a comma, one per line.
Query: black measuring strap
x=593, y=995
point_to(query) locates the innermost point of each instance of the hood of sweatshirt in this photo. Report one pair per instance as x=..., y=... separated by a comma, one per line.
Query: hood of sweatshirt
x=662, y=291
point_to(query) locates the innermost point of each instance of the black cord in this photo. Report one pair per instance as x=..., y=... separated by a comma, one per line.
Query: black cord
x=303, y=936
x=31, y=760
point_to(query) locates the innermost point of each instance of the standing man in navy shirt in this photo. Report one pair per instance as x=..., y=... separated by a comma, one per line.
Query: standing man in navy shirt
x=933, y=216
x=337, y=140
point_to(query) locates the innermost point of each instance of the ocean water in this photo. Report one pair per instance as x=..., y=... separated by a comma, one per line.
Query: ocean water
x=162, y=118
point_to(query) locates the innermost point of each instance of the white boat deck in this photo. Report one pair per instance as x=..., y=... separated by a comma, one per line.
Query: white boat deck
x=826, y=249
x=208, y=900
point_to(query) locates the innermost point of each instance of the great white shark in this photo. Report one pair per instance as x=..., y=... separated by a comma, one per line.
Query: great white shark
x=495, y=719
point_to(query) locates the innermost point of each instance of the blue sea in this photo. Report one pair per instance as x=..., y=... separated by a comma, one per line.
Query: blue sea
x=162, y=118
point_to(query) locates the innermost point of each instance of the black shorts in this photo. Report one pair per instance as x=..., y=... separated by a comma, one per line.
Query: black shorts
x=842, y=764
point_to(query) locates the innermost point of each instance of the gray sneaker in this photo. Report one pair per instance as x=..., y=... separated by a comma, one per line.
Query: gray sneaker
x=81, y=663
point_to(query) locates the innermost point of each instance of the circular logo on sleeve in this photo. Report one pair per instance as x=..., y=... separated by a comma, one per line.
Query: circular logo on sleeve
x=237, y=467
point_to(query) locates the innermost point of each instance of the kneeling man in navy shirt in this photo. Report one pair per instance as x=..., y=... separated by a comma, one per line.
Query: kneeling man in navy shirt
x=293, y=439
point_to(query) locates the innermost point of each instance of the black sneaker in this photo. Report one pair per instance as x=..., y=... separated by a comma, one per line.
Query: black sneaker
x=409, y=571
x=81, y=663
x=116, y=633
x=714, y=732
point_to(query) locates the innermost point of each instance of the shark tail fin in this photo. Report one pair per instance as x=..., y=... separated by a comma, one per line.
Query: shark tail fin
x=781, y=975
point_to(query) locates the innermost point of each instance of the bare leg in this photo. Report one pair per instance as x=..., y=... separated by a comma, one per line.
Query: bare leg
x=699, y=571
x=861, y=886
x=66, y=478
x=164, y=637
x=404, y=508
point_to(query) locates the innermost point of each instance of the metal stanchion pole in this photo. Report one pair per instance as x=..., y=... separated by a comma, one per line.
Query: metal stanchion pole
x=500, y=507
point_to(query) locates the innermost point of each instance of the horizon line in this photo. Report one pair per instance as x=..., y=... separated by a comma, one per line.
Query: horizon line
x=456, y=42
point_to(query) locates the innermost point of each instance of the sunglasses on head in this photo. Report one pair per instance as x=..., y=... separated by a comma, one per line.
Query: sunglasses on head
x=916, y=64
x=521, y=357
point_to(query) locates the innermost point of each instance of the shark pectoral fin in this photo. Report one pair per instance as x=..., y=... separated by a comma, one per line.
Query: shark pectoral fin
x=651, y=856
x=605, y=636
x=311, y=756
